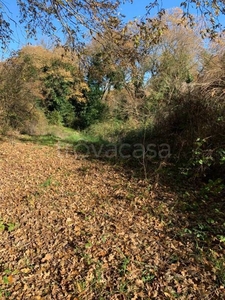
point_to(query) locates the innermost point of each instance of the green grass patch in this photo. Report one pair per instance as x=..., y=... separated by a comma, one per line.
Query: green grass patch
x=62, y=135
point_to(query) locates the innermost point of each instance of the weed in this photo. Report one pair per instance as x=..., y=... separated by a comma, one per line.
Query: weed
x=47, y=182
x=7, y=226
x=88, y=259
x=221, y=238
x=219, y=267
x=124, y=264
x=81, y=286
x=213, y=187
x=147, y=276
x=173, y=259
x=88, y=245
x=7, y=279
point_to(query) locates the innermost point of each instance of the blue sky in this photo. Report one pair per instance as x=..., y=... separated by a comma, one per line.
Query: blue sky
x=135, y=10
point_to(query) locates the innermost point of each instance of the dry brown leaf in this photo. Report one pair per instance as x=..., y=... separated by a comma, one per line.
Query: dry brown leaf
x=25, y=270
x=47, y=257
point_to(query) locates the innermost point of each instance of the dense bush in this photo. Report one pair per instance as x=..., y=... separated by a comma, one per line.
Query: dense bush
x=91, y=111
x=194, y=124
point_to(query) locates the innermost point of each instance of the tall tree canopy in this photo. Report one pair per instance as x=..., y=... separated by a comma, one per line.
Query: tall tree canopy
x=92, y=16
x=75, y=17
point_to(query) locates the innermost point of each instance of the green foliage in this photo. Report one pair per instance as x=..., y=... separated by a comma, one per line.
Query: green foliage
x=219, y=267
x=57, y=91
x=54, y=117
x=91, y=111
x=213, y=188
x=54, y=82
x=47, y=182
x=209, y=162
x=112, y=130
x=147, y=276
x=201, y=157
x=9, y=226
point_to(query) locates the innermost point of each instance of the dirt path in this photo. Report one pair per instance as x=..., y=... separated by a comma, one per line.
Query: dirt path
x=77, y=229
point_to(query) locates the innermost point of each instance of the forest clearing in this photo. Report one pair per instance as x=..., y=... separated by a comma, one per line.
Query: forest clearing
x=112, y=150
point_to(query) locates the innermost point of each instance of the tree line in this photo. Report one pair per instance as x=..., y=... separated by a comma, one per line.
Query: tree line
x=159, y=73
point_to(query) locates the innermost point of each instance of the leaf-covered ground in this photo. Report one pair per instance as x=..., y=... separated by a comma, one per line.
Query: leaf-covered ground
x=73, y=228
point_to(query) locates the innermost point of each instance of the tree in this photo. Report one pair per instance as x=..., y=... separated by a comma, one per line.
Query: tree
x=173, y=63
x=48, y=80
x=209, y=10
x=61, y=82
x=80, y=17
x=17, y=94
x=110, y=62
